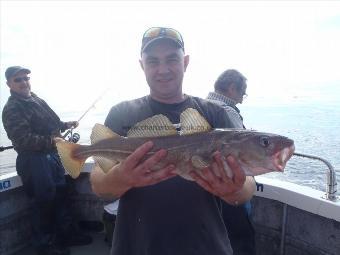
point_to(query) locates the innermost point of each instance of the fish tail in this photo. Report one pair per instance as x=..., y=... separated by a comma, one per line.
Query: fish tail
x=72, y=165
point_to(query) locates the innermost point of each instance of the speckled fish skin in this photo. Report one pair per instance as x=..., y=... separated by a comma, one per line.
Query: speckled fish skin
x=257, y=152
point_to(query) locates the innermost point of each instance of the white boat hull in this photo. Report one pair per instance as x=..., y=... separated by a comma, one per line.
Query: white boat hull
x=289, y=219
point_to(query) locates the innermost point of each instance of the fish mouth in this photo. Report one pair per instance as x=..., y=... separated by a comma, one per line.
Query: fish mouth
x=281, y=157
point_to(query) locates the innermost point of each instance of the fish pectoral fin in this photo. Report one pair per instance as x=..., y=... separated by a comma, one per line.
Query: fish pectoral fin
x=104, y=163
x=193, y=122
x=73, y=166
x=157, y=125
x=101, y=132
x=199, y=162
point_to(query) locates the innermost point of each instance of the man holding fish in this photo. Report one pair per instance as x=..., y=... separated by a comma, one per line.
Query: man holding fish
x=160, y=212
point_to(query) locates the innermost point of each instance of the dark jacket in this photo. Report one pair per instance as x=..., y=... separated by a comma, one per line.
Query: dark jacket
x=30, y=123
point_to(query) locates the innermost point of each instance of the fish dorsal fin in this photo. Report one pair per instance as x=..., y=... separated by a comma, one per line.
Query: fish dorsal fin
x=193, y=122
x=101, y=132
x=157, y=125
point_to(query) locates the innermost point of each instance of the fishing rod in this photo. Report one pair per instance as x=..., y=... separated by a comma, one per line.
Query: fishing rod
x=3, y=148
x=75, y=137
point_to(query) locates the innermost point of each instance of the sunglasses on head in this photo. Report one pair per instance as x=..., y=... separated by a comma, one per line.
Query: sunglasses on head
x=155, y=32
x=162, y=31
x=20, y=79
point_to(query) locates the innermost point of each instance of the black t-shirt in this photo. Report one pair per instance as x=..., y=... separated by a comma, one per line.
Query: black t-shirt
x=175, y=216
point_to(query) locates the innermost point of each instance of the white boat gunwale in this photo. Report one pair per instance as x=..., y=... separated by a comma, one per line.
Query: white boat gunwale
x=295, y=195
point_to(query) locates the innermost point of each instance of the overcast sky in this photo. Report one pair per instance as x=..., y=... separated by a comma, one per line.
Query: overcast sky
x=78, y=49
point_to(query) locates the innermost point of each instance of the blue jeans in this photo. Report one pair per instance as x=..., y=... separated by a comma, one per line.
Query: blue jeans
x=44, y=182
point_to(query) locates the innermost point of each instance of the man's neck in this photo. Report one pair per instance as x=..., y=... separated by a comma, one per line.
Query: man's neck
x=21, y=95
x=221, y=97
x=170, y=100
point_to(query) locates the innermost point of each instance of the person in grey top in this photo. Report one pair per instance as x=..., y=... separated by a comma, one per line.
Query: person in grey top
x=230, y=89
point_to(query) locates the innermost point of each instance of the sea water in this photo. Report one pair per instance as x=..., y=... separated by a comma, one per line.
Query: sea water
x=315, y=129
x=313, y=124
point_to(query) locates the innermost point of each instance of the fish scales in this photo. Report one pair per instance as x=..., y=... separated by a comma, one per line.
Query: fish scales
x=256, y=152
x=178, y=147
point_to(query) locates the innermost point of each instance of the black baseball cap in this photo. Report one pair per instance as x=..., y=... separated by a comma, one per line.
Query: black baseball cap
x=13, y=70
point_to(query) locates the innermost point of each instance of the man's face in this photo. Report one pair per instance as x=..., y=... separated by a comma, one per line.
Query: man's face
x=236, y=93
x=20, y=84
x=164, y=65
x=242, y=92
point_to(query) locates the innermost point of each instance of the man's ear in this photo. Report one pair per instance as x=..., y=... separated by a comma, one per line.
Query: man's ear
x=232, y=88
x=141, y=64
x=186, y=62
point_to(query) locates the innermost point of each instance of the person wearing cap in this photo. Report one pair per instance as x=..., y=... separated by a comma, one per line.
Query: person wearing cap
x=33, y=126
x=229, y=90
x=160, y=212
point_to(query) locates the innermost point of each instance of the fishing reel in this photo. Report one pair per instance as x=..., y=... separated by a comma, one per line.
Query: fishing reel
x=74, y=138
x=71, y=137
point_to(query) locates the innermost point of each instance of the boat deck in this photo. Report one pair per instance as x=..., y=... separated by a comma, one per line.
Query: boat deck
x=98, y=247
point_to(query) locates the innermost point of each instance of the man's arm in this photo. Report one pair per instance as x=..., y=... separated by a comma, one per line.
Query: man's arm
x=243, y=195
x=68, y=125
x=234, y=117
x=19, y=131
x=131, y=173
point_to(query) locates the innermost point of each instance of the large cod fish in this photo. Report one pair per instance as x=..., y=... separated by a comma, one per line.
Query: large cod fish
x=256, y=152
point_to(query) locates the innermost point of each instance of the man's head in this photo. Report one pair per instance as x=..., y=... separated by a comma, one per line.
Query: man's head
x=155, y=34
x=164, y=63
x=231, y=83
x=18, y=80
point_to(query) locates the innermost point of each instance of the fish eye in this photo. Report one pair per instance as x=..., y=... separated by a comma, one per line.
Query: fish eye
x=264, y=141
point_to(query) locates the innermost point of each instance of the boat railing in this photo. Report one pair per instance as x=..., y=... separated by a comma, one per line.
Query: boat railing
x=331, y=185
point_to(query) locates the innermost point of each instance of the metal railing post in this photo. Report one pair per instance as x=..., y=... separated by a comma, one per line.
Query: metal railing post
x=331, y=188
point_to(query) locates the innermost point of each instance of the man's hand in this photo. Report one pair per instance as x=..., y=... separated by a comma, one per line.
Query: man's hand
x=57, y=139
x=137, y=174
x=72, y=124
x=234, y=190
x=132, y=173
